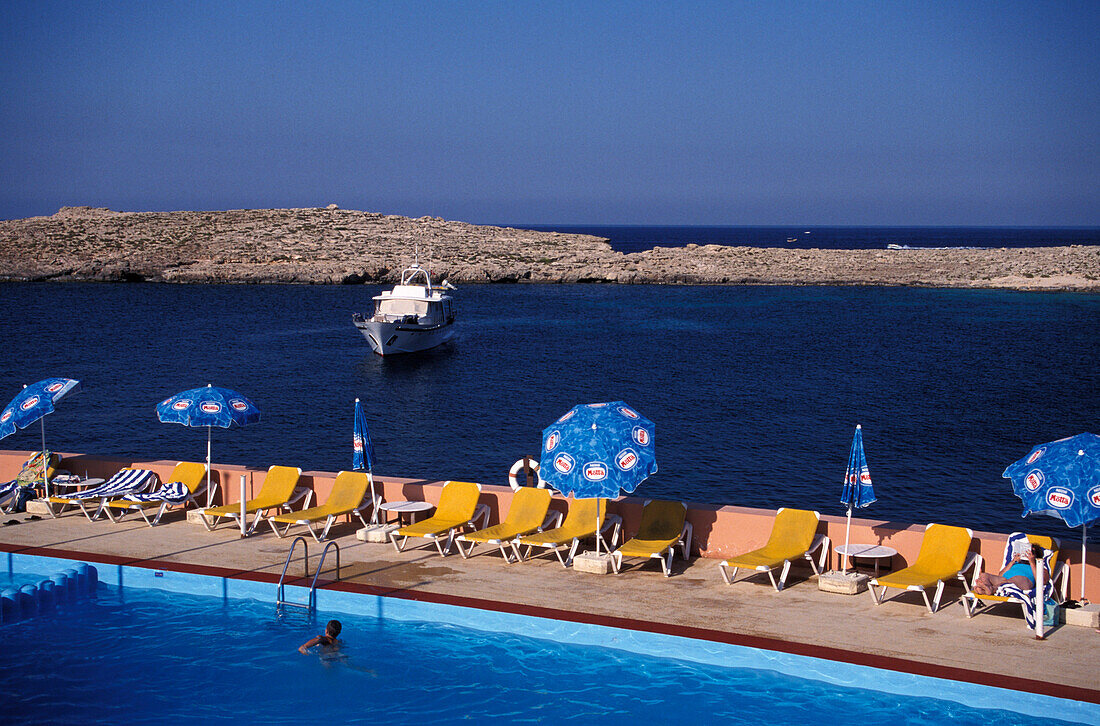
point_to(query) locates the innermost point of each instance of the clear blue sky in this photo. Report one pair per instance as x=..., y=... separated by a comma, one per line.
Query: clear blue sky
x=876, y=113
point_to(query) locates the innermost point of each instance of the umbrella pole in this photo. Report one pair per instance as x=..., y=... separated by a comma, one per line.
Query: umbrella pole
x=373, y=501
x=847, y=530
x=209, y=492
x=1084, y=539
x=597, y=529
x=45, y=460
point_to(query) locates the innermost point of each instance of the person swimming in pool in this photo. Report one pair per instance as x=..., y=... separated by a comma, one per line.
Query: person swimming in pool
x=1020, y=572
x=329, y=642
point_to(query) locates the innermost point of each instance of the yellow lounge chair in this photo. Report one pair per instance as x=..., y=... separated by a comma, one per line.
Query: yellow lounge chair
x=457, y=508
x=526, y=514
x=944, y=555
x=794, y=536
x=662, y=529
x=279, y=491
x=190, y=474
x=348, y=492
x=580, y=524
x=975, y=603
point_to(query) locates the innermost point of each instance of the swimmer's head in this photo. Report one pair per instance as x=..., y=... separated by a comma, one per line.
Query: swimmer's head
x=333, y=628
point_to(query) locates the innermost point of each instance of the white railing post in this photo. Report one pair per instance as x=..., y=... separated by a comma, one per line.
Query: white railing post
x=1040, y=600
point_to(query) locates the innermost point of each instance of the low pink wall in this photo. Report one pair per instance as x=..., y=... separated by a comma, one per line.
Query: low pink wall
x=719, y=531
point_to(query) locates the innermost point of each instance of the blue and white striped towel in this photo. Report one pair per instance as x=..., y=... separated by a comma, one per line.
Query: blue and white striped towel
x=174, y=492
x=1026, y=597
x=125, y=482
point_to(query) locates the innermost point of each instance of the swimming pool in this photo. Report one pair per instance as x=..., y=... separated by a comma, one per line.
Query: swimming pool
x=174, y=645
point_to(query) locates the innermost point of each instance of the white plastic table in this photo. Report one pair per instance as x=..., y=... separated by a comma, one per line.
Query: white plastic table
x=409, y=508
x=865, y=551
x=76, y=483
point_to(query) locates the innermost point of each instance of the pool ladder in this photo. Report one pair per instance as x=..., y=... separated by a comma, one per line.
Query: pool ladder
x=310, y=605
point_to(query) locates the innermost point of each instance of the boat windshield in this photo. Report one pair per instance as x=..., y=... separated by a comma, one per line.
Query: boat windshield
x=398, y=306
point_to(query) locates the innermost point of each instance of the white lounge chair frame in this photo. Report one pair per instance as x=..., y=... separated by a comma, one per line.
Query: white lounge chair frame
x=612, y=522
x=192, y=498
x=664, y=556
x=300, y=494
x=481, y=511
x=329, y=521
x=553, y=519
x=820, y=542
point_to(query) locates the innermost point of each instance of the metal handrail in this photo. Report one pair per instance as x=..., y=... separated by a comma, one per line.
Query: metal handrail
x=280, y=600
x=317, y=572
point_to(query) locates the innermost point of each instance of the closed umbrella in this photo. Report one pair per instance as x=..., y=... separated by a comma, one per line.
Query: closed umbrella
x=362, y=451
x=858, y=492
x=598, y=450
x=32, y=404
x=210, y=406
x=1061, y=479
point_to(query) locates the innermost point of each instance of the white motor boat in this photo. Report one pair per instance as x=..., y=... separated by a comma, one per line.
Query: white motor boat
x=414, y=316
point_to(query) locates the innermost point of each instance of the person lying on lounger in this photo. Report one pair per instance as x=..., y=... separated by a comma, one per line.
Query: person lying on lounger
x=329, y=641
x=1020, y=572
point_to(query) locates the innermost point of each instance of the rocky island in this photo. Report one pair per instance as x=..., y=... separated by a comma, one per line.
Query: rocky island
x=337, y=246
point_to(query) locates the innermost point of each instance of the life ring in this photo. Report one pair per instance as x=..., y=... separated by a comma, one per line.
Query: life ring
x=514, y=472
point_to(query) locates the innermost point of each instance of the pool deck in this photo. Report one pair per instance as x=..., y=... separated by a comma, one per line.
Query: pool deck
x=992, y=648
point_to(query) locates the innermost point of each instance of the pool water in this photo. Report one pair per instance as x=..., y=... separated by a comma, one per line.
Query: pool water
x=134, y=656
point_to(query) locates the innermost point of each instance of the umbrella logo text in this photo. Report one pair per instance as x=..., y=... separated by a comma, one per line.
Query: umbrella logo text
x=210, y=407
x=564, y=463
x=628, y=412
x=864, y=477
x=6, y=415
x=54, y=387
x=1060, y=498
x=640, y=436
x=1036, y=455
x=238, y=404
x=567, y=416
x=1094, y=496
x=1034, y=480
x=626, y=459
x=181, y=404
x=29, y=403
x=595, y=471
x=552, y=440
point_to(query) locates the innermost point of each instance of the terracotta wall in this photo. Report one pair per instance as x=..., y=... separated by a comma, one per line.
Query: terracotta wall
x=719, y=531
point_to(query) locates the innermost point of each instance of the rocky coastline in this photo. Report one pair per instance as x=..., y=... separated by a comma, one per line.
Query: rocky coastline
x=336, y=246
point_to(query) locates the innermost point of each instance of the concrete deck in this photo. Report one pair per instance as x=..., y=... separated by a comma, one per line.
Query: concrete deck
x=992, y=648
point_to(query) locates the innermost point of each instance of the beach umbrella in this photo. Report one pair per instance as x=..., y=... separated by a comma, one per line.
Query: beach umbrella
x=32, y=404
x=362, y=450
x=210, y=406
x=598, y=450
x=857, y=492
x=1061, y=479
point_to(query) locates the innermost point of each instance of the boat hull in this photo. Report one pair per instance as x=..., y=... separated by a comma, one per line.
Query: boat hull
x=397, y=338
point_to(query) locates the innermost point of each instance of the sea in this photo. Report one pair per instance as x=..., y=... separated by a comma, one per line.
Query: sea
x=635, y=238
x=755, y=390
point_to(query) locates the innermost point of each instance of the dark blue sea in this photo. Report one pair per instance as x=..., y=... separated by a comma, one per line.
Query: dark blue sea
x=630, y=238
x=755, y=391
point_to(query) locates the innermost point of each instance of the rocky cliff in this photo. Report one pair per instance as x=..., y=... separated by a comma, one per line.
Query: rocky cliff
x=332, y=245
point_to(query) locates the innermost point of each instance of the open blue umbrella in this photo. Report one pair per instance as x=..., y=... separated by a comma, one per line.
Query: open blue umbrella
x=1061, y=479
x=858, y=492
x=210, y=406
x=362, y=450
x=32, y=404
x=598, y=450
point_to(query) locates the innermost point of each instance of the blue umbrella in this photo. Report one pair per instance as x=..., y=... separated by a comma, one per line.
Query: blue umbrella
x=598, y=450
x=858, y=492
x=1061, y=479
x=210, y=406
x=362, y=451
x=32, y=404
